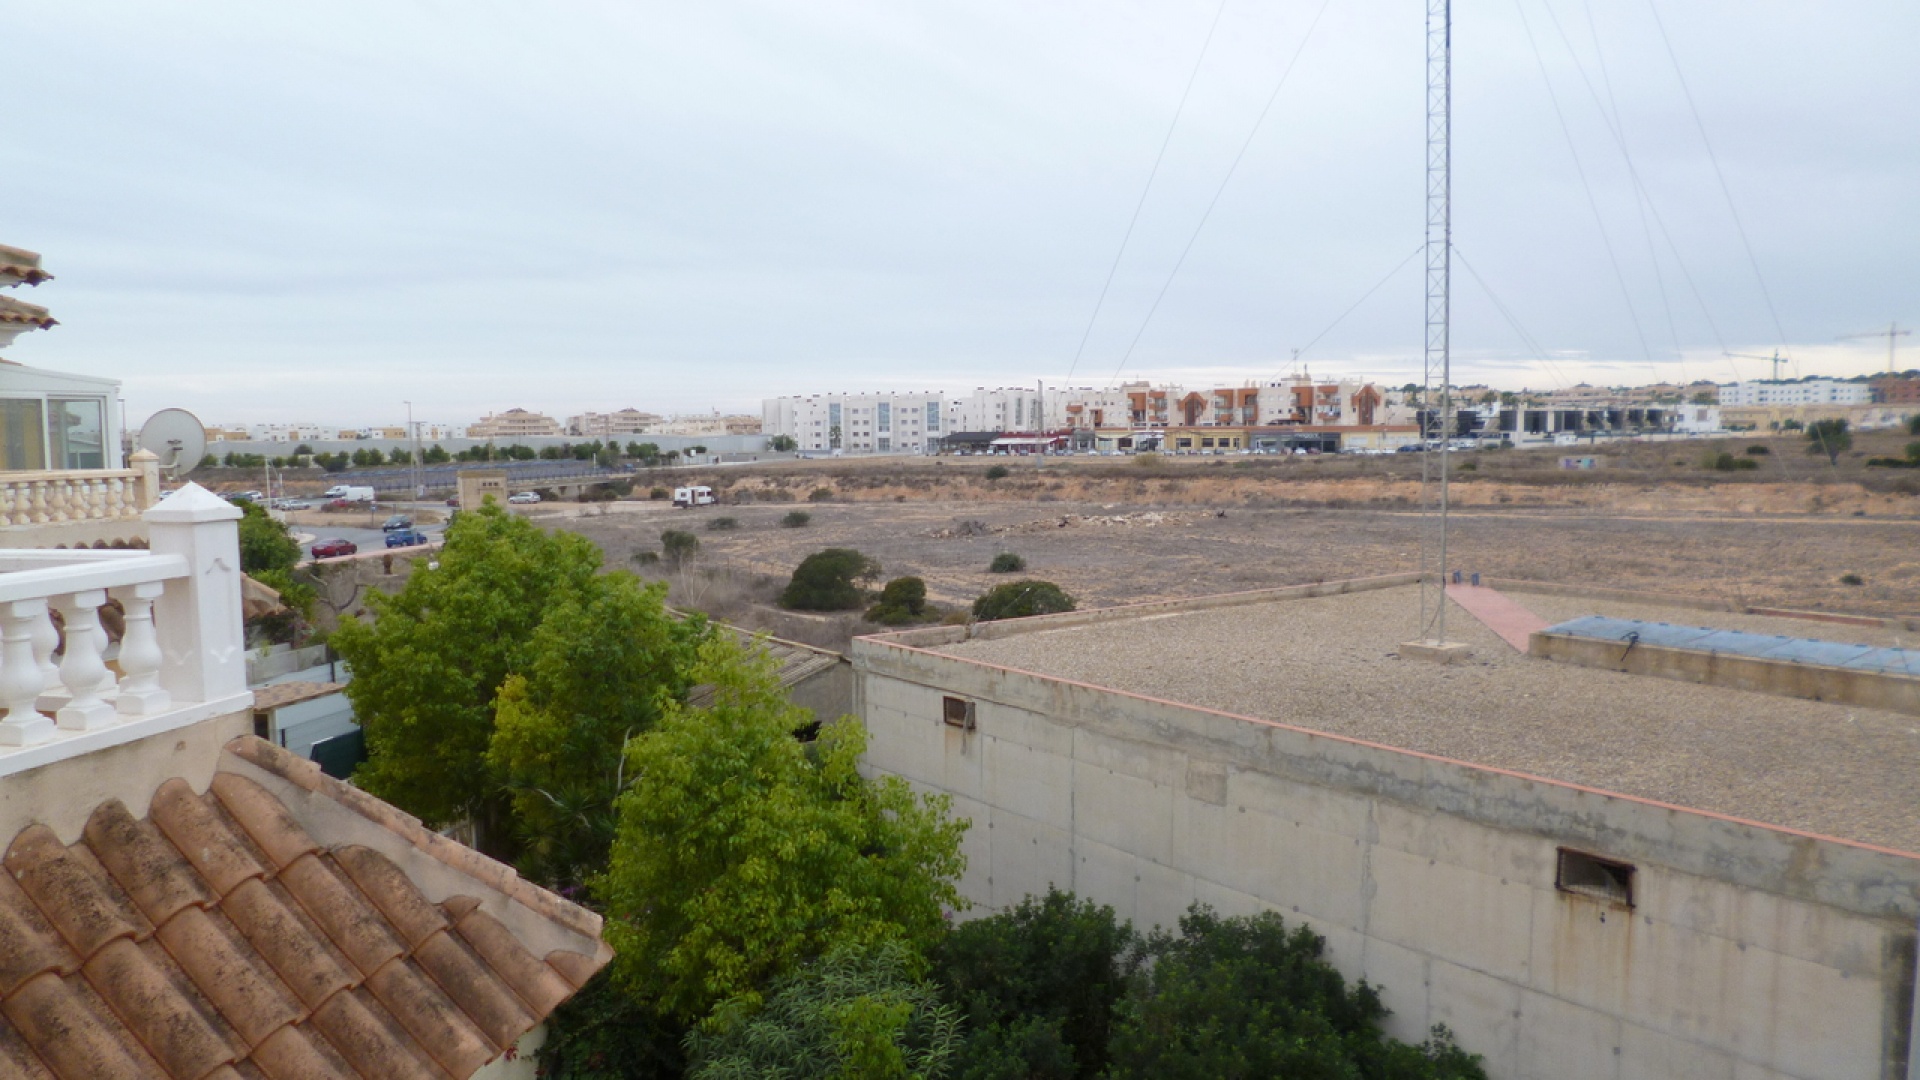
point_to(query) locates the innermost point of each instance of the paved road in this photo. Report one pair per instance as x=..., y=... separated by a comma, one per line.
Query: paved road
x=368, y=539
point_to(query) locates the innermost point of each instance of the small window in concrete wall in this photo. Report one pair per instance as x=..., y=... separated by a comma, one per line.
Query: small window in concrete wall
x=956, y=712
x=1591, y=875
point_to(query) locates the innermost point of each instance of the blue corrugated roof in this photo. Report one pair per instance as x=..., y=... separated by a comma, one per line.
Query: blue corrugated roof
x=1788, y=650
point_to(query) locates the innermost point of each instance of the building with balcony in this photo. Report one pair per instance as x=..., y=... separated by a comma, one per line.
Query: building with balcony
x=879, y=423
x=513, y=424
x=1765, y=392
x=629, y=421
x=183, y=899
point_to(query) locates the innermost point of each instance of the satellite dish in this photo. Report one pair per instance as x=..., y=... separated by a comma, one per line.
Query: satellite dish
x=176, y=438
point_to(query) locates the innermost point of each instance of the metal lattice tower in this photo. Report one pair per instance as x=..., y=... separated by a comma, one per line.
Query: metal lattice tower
x=1434, y=467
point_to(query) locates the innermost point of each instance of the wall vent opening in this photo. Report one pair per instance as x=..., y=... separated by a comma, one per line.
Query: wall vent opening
x=1591, y=875
x=957, y=712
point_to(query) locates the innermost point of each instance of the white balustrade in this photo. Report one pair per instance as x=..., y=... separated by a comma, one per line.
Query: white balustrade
x=180, y=657
x=51, y=497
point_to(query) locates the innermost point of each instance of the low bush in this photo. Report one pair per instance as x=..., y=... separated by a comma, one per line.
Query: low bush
x=1018, y=599
x=796, y=519
x=820, y=495
x=902, y=601
x=722, y=524
x=1728, y=463
x=678, y=545
x=1757, y=450
x=1006, y=563
x=998, y=472
x=1852, y=579
x=830, y=580
x=659, y=493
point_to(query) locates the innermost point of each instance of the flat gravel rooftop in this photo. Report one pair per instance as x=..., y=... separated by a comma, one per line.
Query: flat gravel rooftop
x=1331, y=664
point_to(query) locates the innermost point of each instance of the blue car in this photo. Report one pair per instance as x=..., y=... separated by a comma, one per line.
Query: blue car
x=405, y=538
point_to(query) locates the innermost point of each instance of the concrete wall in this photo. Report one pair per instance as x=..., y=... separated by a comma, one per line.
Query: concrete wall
x=1750, y=953
x=1894, y=692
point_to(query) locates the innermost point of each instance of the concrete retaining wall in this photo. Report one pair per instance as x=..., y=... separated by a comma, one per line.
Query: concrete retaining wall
x=1748, y=952
x=1815, y=682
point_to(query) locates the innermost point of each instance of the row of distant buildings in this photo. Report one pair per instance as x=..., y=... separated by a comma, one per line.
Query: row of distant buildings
x=1304, y=412
x=507, y=426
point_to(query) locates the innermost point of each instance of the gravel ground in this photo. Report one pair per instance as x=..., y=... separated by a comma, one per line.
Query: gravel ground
x=1331, y=664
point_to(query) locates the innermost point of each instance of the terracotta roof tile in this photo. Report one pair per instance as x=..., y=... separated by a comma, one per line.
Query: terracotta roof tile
x=487, y=1001
x=536, y=984
x=368, y=1038
x=232, y=935
x=203, y=835
x=574, y=967
x=158, y=1008
x=291, y=945
x=266, y=819
x=17, y=1059
x=391, y=892
x=434, y=1021
x=71, y=890
x=234, y=978
x=339, y=909
x=74, y=1033
x=29, y=945
x=292, y=1053
x=144, y=863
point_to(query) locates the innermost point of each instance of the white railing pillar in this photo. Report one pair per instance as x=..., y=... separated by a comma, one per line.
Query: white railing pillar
x=140, y=657
x=83, y=669
x=203, y=653
x=147, y=486
x=20, y=678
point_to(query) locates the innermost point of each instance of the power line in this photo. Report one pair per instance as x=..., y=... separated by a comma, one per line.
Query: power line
x=1152, y=173
x=1215, y=201
x=1738, y=225
x=1527, y=339
x=1572, y=151
x=1364, y=297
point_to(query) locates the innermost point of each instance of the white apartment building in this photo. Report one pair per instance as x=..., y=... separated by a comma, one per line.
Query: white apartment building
x=603, y=425
x=1806, y=392
x=879, y=423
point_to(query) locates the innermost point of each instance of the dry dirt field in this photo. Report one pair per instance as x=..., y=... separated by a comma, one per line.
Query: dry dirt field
x=1787, y=535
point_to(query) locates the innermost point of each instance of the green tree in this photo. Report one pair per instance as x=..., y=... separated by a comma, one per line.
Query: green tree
x=743, y=853
x=678, y=545
x=902, y=601
x=601, y=667
x=1830, y=437
x=1018, y=599
x=1006, y=563
x=1913, y=424
x=209, y=462
x=428, y=667
x=435, y=455
x=1245, y=998
x=1037, y=987
x=829, y=580
x=400, y=457
x=782, y=444
x=265, y=544
x=857, y=1012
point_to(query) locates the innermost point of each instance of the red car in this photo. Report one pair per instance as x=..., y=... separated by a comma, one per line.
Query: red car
x=333, y=548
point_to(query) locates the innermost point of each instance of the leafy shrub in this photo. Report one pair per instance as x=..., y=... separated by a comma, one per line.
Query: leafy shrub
x=659, y=493
x=1006, y=563
x=1037, y=986
x=1913, y=424
x=856, y=1012
x=1852, y=579
x=1469, y=466
x=998, y=472
x=1728, y=463
x=1148, y=460
x=646, y=558
x=1247, y=997
x=678, y=545
x=796, y=519
x=722, y=524
x=1017, y=599
x=820, y=495
x=902, y=601
x=829, y=580
x=1758, y=450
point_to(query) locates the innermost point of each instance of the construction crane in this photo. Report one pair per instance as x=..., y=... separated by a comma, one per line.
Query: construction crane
x=1776, y=360
x=1890, y=333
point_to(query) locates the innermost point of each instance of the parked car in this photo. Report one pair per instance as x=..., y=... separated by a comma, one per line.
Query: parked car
x=408, y=537
x=243, y=496
x=453, y=500
x=333, y=547
x=524, y=497
x=292, y=504
x=397, y=521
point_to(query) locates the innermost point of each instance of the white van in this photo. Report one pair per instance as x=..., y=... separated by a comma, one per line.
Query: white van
x=693, y=496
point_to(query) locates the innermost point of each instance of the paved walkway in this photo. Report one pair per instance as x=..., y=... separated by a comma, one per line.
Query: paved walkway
x=1498, y=613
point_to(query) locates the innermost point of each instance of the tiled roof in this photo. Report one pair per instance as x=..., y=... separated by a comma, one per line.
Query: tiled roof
x=283, y=925
x=22, y=266
x=19, y=311
x=795, y=663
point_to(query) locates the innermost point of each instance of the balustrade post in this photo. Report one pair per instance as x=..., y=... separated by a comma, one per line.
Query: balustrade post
x=147, y=487
x=59, y=498
x=140, y=692
x=83, y=669
x=38, y=513
x=203, y=653
x=20, y=678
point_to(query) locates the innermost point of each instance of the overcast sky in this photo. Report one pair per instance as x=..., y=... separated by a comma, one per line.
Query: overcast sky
x=315, y=212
